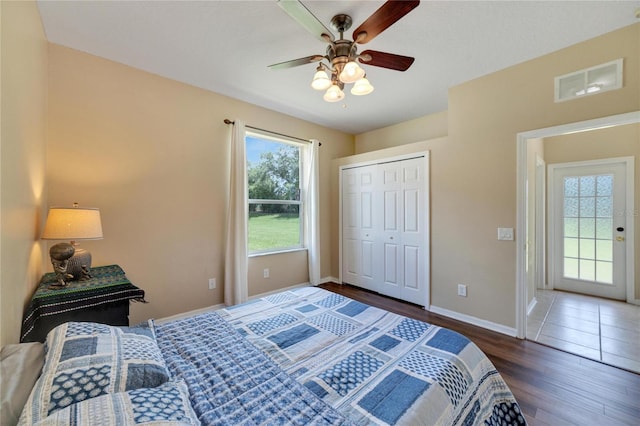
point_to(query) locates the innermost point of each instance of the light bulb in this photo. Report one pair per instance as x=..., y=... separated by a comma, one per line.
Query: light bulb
x=362, y=87
x=334, y=94
x=351, y=72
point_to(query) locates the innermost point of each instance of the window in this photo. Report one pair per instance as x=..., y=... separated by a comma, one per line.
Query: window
x=588, y=228
x=275, y=208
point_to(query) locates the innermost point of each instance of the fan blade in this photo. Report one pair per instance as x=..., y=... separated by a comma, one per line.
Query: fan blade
x=388, y=14
x=296, y=62
x=304, y=17
x=386, y=60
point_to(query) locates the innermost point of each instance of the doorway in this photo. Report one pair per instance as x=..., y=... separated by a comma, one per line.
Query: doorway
x=534, y=288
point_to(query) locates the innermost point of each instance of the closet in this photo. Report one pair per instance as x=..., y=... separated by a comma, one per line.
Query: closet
x=385, y=227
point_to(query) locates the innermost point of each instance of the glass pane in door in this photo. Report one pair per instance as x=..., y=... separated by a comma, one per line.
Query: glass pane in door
x=588, y=228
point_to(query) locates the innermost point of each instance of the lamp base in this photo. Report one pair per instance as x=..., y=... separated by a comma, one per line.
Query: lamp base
x=80, y=264
x=60, y=255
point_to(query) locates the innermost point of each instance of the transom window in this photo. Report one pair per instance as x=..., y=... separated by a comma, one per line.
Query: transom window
x=273, y=180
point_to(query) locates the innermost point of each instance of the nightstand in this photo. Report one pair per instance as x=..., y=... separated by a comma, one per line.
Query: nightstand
x=103, y=298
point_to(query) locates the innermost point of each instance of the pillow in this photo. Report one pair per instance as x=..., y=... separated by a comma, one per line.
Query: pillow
x=20, y=367
x=167, y=404
x=85, y=360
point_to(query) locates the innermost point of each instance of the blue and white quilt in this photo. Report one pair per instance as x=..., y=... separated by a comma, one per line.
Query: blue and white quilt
x=373, y=366
x=231, y=382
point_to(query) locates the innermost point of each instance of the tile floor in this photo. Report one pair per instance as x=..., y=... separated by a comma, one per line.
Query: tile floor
x=600, y=329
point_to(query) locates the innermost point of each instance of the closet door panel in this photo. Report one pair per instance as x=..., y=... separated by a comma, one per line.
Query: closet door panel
x=390, y=265
x=391, y=187
x=412, y=267
x=358, y=227
x=413, y=236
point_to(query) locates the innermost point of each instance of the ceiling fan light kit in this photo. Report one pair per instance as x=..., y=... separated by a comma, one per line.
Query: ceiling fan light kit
x=362, y=87
x=333, y=94
x=321, y=79
x=351, y=72
x=342, y=55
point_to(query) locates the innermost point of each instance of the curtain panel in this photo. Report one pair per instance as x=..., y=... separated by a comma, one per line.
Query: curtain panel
x=236, y=287
x=311, y=210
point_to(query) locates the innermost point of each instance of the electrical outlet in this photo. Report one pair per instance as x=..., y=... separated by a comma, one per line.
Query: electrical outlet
x=462, y=290
x=265, y=273
x=212, y=283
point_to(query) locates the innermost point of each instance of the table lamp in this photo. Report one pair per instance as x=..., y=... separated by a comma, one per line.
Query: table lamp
x=71, y=223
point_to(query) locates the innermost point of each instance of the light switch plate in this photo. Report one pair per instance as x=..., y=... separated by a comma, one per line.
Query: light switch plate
x=505, y=234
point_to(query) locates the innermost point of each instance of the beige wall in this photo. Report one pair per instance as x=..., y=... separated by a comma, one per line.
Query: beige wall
x=473, y=185
x=23, y=135
x=620, y=141
x=152, y=154
x=419, y=129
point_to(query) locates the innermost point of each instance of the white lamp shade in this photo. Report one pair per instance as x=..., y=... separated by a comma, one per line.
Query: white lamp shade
x=333, y=94
x=321, y=81
x=73, y=223
x=362, y=87
x=351, y=72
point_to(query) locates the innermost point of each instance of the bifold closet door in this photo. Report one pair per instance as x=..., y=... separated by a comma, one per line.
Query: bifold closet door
x=384, y=229
x=358, y=226
x=403, y=255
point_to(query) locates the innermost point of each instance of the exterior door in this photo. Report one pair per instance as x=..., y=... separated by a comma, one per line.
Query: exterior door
x=358, y=227
x=589, y=217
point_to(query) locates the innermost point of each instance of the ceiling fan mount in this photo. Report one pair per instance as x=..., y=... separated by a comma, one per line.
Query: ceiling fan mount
x=341, y=54
x=341, y=23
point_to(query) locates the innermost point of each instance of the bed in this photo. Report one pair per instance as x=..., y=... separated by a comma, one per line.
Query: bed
x=304, y=356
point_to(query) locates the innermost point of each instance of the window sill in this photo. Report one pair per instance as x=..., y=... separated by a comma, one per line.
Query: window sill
x=269, y=253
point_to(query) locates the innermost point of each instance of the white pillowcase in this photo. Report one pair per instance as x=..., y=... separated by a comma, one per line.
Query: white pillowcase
x=20, y=367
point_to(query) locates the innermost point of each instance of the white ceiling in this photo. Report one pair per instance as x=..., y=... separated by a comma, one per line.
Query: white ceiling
x=226, y=46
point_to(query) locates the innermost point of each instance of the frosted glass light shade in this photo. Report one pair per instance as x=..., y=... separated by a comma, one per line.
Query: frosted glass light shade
x=321, y=80
x=334, y=94
x=362, y=87
x=351, y=73
x=73, y=223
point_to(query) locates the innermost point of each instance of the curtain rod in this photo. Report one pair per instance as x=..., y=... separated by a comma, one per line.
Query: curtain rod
x=227, y=121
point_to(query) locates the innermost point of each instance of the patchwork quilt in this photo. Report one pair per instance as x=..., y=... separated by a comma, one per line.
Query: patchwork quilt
x=373, y=366
x=231, y=382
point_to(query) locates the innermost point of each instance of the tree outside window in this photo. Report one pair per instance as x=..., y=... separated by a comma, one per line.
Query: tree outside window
x=275, y=208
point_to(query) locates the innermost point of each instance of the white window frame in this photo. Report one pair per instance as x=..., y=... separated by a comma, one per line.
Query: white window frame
x=299, y=202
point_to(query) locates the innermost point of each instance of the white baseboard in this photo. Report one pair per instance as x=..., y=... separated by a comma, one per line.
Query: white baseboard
x=499, y=328
x=189, y=313
x=532, y=305
x=329, y=280
x=269, y=293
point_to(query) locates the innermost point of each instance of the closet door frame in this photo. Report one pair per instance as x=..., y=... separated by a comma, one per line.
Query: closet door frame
x=425, y=155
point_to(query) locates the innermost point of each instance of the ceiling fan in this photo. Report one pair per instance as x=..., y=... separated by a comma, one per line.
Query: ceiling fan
x=342, y=54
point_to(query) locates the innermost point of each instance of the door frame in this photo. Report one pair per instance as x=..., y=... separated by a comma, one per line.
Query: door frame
x=521, y=202
x=541, y=224
x=425, y=155
x=629, y=163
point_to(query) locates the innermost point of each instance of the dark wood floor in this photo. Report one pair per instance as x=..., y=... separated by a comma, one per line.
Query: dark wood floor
x=552, y=387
